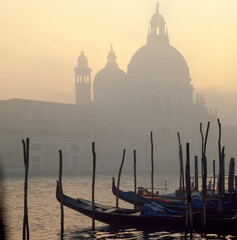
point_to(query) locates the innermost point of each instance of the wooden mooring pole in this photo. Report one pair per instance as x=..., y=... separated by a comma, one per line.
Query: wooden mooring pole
x=214, y=178
x=26, y=150
x=93, y=186
x=135, y=178
x=181, y=172
x=61, y=191
x=204, y=176
x=152, y=167
x=235, y=183
x=220, y=180
x=231, y=176
x=119, y=175
x=189, y=218
x=196, y=171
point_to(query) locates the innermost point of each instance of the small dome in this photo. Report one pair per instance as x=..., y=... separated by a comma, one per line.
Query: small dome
x=109, y=87
x=111, y=77
x=109, y=83
x=108, y=78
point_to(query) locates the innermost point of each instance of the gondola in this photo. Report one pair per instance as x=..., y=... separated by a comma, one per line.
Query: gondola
x=229, y=207
x=128, y=196
x=127, y=218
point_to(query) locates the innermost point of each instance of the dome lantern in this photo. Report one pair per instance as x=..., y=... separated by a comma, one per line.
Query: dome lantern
x=111, y=55
x=157, y=28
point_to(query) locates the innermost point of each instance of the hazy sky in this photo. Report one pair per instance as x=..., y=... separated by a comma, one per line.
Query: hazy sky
x=41, y=39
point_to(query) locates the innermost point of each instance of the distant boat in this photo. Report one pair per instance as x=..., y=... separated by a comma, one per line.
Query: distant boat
x=127, y=218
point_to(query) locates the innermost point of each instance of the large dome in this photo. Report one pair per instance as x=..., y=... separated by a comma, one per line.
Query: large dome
x=158, y=64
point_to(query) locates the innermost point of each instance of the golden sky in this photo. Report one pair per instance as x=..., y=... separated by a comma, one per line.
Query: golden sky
x=41, y=39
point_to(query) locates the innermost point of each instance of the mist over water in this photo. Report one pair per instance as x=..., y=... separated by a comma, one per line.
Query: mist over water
x=117, y=110
x=44, y=209
x=110, y=72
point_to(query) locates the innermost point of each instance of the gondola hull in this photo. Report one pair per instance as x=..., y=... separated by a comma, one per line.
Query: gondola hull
x=140, y=200
x=229, y=207
x=127, y=218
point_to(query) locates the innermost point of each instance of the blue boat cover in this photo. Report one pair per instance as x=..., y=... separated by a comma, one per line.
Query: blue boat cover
x=197, y=204
x=157, y=210
x=129, y=196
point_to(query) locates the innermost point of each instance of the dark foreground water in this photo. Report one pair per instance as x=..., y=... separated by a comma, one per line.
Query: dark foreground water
x=44, y=210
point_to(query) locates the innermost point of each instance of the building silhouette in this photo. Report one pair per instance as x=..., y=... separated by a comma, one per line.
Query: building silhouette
x=156, y=94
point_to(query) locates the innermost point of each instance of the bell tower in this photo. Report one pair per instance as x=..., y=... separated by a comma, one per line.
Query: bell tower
x=82, y=80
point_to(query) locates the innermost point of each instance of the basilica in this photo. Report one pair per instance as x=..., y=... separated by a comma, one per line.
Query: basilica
x=155, y=94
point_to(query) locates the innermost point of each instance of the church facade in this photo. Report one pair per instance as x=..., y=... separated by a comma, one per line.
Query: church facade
x=155, y=94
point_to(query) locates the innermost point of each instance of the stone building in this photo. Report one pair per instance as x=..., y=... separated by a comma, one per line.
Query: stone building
x=156, y=94
x=50, y=127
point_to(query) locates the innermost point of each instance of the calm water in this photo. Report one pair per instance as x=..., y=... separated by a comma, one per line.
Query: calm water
x=44, y=210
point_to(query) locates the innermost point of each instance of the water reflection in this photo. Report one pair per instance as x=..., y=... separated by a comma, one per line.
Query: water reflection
x=105, y=233
x=111, y=233
x=44, y=210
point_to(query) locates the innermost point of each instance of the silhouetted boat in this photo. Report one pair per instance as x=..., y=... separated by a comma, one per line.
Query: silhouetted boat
x=126, y=218
x=170, y=202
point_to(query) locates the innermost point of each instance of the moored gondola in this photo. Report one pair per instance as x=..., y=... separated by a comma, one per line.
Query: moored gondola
x=126, y=218
x=169, y=201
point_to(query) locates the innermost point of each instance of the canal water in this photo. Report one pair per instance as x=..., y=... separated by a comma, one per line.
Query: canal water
x=44, y=209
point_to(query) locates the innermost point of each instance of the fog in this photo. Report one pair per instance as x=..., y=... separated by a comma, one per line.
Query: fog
x=73, y=72
x=224, y=103
x=41, y=40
